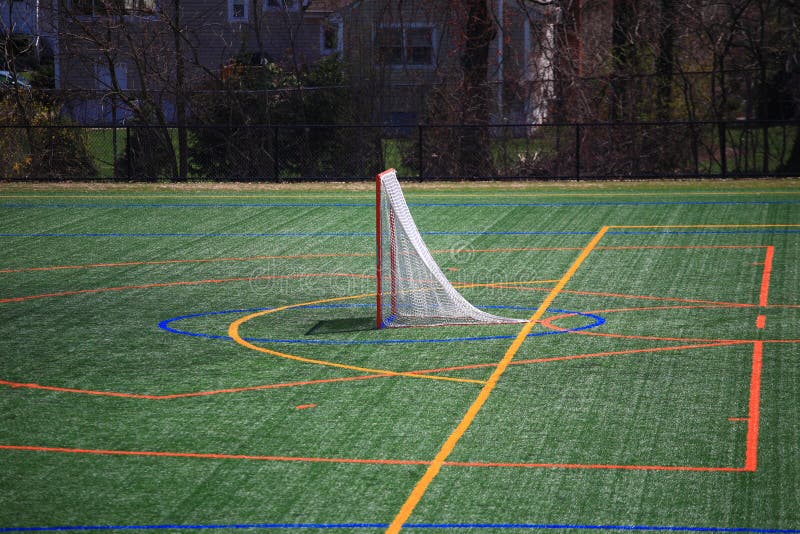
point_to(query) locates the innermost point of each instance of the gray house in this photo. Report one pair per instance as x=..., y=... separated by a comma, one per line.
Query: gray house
x=107, y=51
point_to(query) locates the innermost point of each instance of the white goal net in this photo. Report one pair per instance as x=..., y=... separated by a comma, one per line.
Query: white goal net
x=412, y=290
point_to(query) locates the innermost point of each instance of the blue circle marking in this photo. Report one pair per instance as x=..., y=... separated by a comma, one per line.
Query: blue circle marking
x=166, y=325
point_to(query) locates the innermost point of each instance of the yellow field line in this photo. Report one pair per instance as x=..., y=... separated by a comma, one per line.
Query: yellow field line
x=447, y=448
x=233, y=332
x=706, y=226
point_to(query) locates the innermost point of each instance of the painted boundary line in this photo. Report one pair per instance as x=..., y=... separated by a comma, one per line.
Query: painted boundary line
x=447, y=448
x=442, y=526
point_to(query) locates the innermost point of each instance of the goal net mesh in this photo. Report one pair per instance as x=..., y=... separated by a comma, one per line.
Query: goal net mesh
x=412, y=290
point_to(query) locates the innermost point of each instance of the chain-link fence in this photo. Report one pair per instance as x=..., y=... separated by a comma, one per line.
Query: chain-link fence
x=424, y=152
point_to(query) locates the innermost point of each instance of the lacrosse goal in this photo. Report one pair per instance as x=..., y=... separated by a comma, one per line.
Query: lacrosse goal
x=411, y=288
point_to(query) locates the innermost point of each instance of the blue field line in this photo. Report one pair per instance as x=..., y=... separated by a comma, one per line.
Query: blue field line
x=411, y=204
x=434, y=233
x=442, y=526
x=166, y=326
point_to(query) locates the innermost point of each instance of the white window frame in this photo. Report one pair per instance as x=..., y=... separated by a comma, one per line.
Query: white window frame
x=243, y=18
x=404, y=28
x=332, y=22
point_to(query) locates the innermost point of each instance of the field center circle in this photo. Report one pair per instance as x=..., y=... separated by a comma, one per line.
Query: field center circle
x=167, y=325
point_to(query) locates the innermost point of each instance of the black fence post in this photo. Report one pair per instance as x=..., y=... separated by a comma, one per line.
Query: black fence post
x=419, y=152
x=577, y=151
x=723, y=149
x=275, y=160
x=128, y=157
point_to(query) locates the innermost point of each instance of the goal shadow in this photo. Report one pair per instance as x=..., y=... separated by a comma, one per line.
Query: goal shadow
x=341, y=326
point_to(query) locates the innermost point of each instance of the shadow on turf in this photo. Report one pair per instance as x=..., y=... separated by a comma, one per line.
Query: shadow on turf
x=339, y=326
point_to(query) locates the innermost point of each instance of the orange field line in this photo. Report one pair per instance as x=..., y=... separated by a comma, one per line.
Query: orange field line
x=210, y=456
x=706, y=226
x=761, y=321
x=349, y=255
x=764, y=293
x=199, y=260
x=180, y=283
x=184, y=395
x=378, y=461
x=751, y=453
x=638, y=297
x=12, y=384
x=599, y=466
x=750, y=465
x=585, y=356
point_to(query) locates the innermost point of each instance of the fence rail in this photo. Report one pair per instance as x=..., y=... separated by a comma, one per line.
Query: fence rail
x=583, y=151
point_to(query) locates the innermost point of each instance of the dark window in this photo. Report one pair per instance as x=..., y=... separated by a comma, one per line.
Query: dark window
x=419, y=46
x=405, y=46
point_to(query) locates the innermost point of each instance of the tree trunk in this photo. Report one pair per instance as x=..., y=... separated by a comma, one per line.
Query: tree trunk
x=475, y=154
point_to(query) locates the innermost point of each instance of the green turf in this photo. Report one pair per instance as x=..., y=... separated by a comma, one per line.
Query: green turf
x=633, y=423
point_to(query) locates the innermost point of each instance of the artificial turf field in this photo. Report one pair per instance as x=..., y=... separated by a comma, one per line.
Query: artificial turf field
x=198, y=358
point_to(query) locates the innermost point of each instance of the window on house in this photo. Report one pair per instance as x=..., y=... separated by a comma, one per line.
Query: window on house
x=288, y=5
x=419, y=46
x=331, y=35
x=82, y=7
x=140, y=7
x=100, y=8
x=237, y=10
x=390, y=46
x=406, y=46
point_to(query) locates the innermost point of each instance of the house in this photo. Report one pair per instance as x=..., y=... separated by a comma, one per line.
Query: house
x=27, y=24
x=411, y=47
x=397, y=51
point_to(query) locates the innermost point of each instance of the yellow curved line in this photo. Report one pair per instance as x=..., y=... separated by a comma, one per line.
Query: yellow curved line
x=233, y=332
